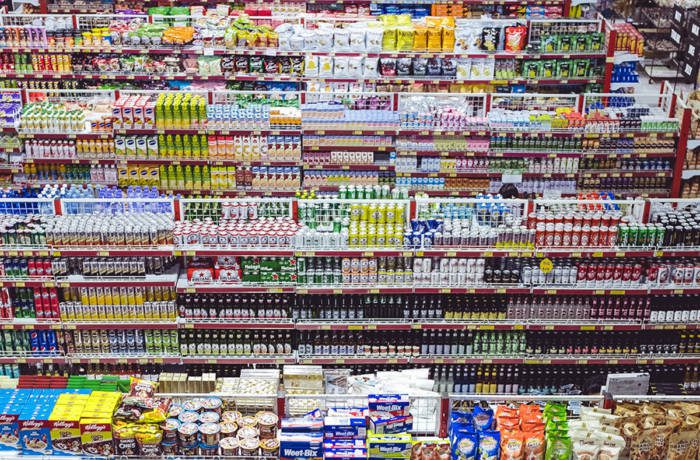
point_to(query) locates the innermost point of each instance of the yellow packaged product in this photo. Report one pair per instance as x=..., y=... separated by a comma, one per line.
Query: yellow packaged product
x=404, y=38
x=448, y=38
x=420, y=38
x=389, y=39
x=435, y=39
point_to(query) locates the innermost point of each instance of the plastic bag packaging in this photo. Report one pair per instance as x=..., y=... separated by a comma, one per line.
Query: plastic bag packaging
x=489, y=443
x=355, y=67
x=341, y=40
x=374, y=38
x=585, y=450
x=325, y=66
x=340, y=66
x=515, y=38
x=404, y=38
x=311, y=66
x=389, y=39
x=420, y=38
x=512, y=445
x=369, y=67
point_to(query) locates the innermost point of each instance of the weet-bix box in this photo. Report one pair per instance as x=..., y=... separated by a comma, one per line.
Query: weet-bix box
x=340, y=427
x=301, y=425
x=301, y=445
x=396, y=404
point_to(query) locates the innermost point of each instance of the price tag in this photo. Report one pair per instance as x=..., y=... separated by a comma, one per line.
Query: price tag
x=546, y=265
x=445, y=291
x=587, y=328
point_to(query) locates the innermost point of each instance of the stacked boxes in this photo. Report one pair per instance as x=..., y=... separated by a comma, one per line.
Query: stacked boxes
x=96, y=422
x=11, y=404
x=344, y=433
x=301, y=438
x=34, y=425
x=134, y=112
x=64, y=422
x=390, y=421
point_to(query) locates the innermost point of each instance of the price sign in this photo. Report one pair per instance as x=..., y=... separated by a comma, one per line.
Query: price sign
x=546, y=265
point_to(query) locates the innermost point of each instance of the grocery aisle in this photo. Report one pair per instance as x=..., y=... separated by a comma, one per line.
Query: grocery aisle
x=287, y=230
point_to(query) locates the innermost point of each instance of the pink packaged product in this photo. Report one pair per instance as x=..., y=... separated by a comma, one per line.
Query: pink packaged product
x=137, y=111
x=149, y=113
x=128, y=112
x=117, y=113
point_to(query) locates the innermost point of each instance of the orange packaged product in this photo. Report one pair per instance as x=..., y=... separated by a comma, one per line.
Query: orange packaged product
x=505, y=411
x=533, y=445
x=512, y=445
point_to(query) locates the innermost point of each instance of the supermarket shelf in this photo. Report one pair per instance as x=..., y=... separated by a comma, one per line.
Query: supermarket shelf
x=32, y=359
x=623, y=84
x=352, y=167
x=599, y=359
x=123, y=359
x=351, y=360
x=352, y=325
x=14, y=251
x=114, y=251
x=158, y=161
x=536, y=175
x=621, y=57
x=236, y=323
x=60, y=136
x=183, y=286
x=166, y=280
x=348, y=148
x=555, y=290
x=468, y=290
x=350, y=289
x=205, y=130
x=190, y=251
x=28, y=282
x=368, y=324
x=241, y=360
x=126, y=324
x=355, y=252
x=29, y=324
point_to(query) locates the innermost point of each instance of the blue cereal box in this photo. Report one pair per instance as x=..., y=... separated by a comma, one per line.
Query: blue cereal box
x=301, y=445
x=387, y=423
x=337, y=427
x=396, y=404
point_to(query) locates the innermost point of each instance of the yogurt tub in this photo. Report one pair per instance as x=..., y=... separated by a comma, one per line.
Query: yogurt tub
x=267, y=424
x=229, y=446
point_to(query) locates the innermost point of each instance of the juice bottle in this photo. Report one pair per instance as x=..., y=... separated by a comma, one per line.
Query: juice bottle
x=187, y=145
x=196, y=178
x=187, y=177
x=179, y=148
x=206, y=179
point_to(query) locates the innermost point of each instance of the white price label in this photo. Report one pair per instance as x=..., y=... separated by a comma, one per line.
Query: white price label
x=511, y=178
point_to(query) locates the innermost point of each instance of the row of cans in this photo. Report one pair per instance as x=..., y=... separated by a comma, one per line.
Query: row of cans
x=25, y=267
x=122, y=341
x=36, y=342
x=76, y=311
x=119, y=295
